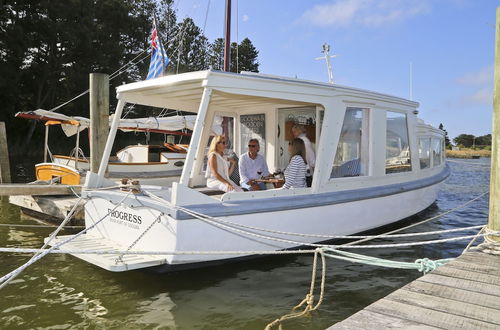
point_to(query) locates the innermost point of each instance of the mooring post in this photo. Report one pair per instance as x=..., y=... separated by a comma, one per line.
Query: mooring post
x=494, y=215
x=99, y=117
x=4, y=155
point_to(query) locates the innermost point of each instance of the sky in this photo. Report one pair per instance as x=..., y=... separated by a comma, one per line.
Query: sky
x=449, y=44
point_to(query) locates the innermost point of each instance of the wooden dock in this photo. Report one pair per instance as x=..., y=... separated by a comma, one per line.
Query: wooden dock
x=13, y=189
x=463, y=294
x=50, y=208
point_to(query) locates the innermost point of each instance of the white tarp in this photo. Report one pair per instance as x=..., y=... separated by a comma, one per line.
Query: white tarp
x=172, y=123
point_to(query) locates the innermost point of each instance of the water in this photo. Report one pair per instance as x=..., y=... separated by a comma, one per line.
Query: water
x=61, y=292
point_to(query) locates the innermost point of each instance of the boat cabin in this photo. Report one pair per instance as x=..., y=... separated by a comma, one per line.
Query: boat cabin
x=362, y=139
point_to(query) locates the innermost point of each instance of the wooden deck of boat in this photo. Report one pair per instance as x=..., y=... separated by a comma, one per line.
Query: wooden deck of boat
x=463, y=294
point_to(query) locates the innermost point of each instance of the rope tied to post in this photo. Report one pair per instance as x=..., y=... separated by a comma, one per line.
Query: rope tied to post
x=308, y=301
x=426, y=265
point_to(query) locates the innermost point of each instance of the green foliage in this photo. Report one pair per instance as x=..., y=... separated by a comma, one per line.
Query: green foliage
x=447, y=141
x=245, y=58
x=471, y=141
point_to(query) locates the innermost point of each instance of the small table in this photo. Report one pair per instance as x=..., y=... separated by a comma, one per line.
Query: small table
x=277, y=183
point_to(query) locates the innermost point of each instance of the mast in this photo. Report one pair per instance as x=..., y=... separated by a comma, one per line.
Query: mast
x=227, y=36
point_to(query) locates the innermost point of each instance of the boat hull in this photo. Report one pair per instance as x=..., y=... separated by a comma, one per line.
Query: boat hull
x=132, y=218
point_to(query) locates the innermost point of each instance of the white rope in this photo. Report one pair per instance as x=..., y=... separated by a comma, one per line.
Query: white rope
x=474, y=239
x=423, y=221
x=365, y=237
x=156, y=253
x=271, y=238
x=334, y=236
x=8, y=277
x=217, y=222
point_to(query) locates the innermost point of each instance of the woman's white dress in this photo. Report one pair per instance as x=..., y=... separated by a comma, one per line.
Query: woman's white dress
x=223, y=170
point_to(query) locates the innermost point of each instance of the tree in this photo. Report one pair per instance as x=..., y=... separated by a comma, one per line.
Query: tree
x=216, y=54
x=465, y=140
x=190, y=49
x=246, y=57
x=447, y=141
x=48, y=48
x=484, y=140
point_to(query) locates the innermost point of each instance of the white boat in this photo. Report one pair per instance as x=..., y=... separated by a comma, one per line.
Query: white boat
x=376, y=163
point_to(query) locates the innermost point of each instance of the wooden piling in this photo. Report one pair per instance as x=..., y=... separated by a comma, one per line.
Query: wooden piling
x=4, y=156
x=494, y=212
x=99, y=117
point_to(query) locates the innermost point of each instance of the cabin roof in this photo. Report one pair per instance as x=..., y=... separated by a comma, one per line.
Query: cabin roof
x=243, y=91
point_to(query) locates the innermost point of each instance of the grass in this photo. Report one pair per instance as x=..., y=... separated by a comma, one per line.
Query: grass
x=467, y=153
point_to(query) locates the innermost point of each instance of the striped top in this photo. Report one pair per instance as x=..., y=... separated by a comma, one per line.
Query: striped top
x=295, y=173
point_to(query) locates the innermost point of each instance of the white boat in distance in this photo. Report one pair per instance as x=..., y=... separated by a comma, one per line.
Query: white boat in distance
x=376, y=163
x=152, y=164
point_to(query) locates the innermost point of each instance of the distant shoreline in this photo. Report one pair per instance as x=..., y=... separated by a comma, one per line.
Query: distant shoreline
x=467, y=153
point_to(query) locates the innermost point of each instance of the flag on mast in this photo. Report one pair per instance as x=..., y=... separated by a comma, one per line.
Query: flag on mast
x=159, y=59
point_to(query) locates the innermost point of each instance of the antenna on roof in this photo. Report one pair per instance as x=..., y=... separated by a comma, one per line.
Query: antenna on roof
x=326, y=51
x=411, y=81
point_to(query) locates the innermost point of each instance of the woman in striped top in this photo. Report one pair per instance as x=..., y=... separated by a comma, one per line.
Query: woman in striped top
x=295, y=172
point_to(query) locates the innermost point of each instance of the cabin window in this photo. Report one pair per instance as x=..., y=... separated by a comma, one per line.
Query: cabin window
x=436, y=151
x=397, y=150
x=351, y=151
x=424, y=152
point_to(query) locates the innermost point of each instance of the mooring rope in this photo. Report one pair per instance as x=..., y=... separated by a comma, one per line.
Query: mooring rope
x=483, y=228
x=423, y=265
x=8, y=277
x=272, y=238
x=365, y=237
x=308, y=301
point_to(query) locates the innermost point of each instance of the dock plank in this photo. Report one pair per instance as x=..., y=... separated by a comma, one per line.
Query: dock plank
x=469, y=285
x=378, y=322
x=480, y=299
x=427, y=316
x=470, y=261
x=449, y=306
x=467, y=275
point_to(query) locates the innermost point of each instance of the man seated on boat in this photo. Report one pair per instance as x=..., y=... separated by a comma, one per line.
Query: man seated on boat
x=295, y=172
x=299, y=131
x=252, y=166
x=218, y=168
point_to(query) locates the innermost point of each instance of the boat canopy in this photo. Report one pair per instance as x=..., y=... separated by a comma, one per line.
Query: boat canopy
x=245, y=92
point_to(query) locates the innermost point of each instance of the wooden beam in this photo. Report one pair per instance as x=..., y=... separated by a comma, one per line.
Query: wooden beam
x=99, y=117
x=494, y=213
x=4, y=156
x=34, y=189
